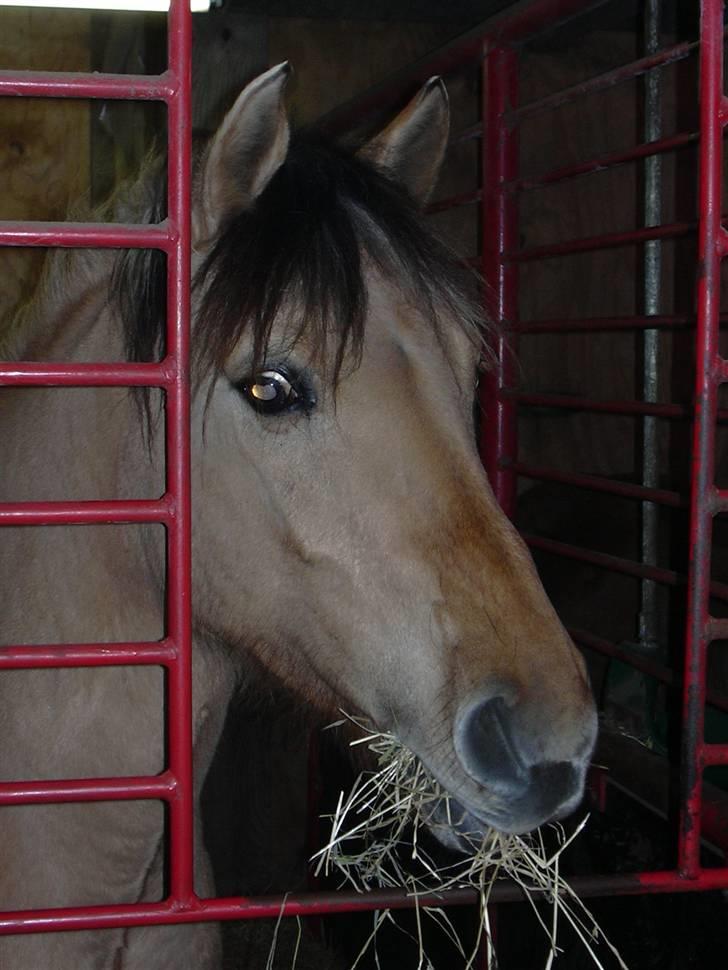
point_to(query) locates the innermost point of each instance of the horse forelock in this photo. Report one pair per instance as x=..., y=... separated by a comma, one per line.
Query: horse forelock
x=301, y=252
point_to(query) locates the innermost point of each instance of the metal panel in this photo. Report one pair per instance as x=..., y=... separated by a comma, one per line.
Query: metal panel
x=498, y=200
x=174, y=785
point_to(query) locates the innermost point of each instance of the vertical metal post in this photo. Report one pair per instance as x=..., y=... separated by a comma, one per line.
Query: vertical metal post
x=702, y=500
x=178, y=455
x=648, y=627
x=499, y=227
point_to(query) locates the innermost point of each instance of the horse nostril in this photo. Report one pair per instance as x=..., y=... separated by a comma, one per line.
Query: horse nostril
x=556, y=784
x=487, y=749
x=493, y=747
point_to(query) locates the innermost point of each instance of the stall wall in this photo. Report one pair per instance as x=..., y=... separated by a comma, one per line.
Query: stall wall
x=44, y=145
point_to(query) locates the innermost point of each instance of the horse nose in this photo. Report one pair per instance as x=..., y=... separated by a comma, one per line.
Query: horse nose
x=494, y=743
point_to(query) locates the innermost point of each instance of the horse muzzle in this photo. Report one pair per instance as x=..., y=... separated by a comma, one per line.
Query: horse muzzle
x=523, y=780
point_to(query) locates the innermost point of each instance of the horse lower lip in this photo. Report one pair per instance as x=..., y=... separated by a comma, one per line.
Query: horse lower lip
x=465, y=824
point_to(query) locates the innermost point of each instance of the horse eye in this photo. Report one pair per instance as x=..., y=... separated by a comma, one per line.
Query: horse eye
x=270, y=392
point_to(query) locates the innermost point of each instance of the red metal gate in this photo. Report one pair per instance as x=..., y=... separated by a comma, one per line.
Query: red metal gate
x=494, y=47
x=174, y=785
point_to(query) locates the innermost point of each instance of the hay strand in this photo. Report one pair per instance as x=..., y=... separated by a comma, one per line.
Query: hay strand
x=375, y=832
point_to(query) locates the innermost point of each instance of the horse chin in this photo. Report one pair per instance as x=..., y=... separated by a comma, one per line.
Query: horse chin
x=456, y=828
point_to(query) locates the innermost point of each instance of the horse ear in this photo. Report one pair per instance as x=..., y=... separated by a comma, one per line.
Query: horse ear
x=411, y=148
x=244, y=154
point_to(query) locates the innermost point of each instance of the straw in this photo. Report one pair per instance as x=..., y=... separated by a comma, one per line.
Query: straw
x=376, y=831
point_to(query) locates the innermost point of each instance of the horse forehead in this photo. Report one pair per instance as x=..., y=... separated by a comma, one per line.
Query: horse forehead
x=401, y=336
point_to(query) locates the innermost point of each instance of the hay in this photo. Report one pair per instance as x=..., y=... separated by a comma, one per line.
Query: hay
x=375, y=843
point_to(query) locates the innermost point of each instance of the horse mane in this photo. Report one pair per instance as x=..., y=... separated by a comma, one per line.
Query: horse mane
x=303, y=245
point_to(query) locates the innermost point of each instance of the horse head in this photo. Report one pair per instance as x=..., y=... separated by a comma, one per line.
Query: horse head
x=344, y=530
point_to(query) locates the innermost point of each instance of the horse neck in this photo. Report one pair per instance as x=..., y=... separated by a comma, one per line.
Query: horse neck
x=76, y=444
x=67, y=317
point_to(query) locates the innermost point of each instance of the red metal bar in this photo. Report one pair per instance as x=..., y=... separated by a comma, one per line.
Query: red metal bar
x=34, y=374
x=87, y=513
x=235, y=908
x=466, y=134
x=32, y=656
x=603, y=162
x=639, y=662
x=179, y=580
x=617, y=564
x=342, y=901
x=454, y=202
x=714, y=754
x=85, y=234
x=717, y=628
x=513, y=26
x=499, y=227
x=590, y=324
x=49, y=84
x=625, y=72
x=87, y=790
x=598, y=484
x=522, y=21
x=607, y=240
x=706, y=413
x=719, y=499
x=574, y=402
x=722, y=368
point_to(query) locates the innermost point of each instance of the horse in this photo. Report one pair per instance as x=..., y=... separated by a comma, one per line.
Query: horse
x=346, y=541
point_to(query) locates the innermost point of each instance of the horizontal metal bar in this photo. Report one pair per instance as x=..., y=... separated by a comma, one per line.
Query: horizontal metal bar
x=638, y=661
x=34, y=374
x=86, y=513
x=454, y=202
x=625, y=72
x=590, y=324
x=195, y=910
x=605, y=560
x=161, y=786
x=42, y=655
x=721, y=369
x=607, y=240
x=466, y=134
x=58, y=84
x=512, y=26
x=630, y=658
x=717, y=628
x=714, y=755
x=723, y=110
x=603, y=162
x=86, y=235
x=573, y=402
x=597, y=484
x=522, y=21
x=617, y=564
x=645, y=777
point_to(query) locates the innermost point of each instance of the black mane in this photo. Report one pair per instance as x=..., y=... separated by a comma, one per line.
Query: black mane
x=304, y=240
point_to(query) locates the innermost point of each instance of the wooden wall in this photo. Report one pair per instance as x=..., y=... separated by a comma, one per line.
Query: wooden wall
x=44, y=145
x=55, y=152
x=334, y=60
